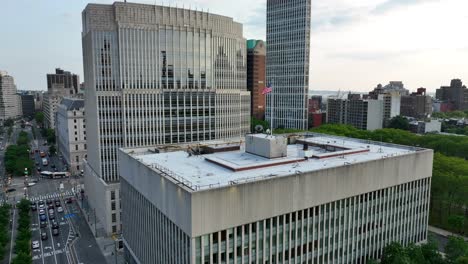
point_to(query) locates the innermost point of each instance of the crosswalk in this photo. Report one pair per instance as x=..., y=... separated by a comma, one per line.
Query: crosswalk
x=54, y=195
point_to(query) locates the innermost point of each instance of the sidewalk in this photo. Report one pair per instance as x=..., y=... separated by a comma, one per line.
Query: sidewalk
x=106, y=244
x=445, y=233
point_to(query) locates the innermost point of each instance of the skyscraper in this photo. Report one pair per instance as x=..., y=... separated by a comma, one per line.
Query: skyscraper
x=9, y=107
x=288, y=41
x=156, y=75
x=59, y=84
x=256, y=75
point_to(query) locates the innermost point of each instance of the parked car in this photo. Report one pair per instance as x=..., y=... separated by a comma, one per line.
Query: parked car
x=60, y=209
x=44, y=236
x=33, y=206
x=43, y=217
x=55, y=232
x=51, y=216
x=41, y=211
x=55, y=224
x=43, y=224
x=57, y=202
x=42, y=206
x=69, y=200
x=51, y=211
x=39, y=169
x=35, y=244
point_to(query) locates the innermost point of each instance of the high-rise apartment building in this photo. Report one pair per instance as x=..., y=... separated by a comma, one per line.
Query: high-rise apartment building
x=417, y=105
x=71, y=133
x=9, y=99
x=240, y=206
x=288, y=43
x=366, y=114
x=156, y=75
x=256, y=74
x=59, y=84
x=27, y=104
x=456, y=95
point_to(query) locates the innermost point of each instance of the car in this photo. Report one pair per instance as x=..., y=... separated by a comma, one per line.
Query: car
x=43, y=224
x=39, y=169
x=57, y=202
x=35, y=244
x=34, y=207
x=55, y=232
x=42, y=206
x=49, y=202
x=55, y=169
x=51, y=216
x=37, y=163
x=36, y=150
x=43, y=217
x=69, y=200
x=60, y=209
x=54, y=224
x=51, y=211
x=44, y=236
x=41, y=211
x=10, y=190
x=52, y=166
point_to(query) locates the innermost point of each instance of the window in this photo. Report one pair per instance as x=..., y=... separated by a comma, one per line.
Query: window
x=76, y=139
x=77, y=167
x=114, y=218
x=113, y=195
x=76, y=133
x=74, y=113
x=85, y=145
x=74, y=121
x=76, y=147
x=113, y=206
x=114, y=229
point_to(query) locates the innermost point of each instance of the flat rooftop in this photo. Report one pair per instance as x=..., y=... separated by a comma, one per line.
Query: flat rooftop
x=200, y=172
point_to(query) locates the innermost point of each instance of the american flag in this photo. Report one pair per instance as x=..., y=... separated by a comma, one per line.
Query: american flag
x=267, y=89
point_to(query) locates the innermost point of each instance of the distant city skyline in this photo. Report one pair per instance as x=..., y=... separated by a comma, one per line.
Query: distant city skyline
x=355, y=44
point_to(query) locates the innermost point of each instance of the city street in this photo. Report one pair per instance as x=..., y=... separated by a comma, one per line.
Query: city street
x=74, y=242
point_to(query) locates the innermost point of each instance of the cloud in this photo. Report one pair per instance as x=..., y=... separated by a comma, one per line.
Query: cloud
x=390, y=5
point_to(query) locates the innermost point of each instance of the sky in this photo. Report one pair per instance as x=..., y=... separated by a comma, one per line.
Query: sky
x=355, y=44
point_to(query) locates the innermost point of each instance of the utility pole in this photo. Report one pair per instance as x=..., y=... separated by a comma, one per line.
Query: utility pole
x=95, y=221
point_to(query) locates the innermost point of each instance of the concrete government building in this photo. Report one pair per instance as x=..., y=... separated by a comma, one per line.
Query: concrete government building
x=156, y=75
x=308, y=199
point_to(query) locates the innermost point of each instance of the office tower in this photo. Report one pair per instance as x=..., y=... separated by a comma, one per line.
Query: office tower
x=288, y=44
x=71, y=133
x=242, y=206
x=256, y=74
x=366, y=114
x=27, y=104
x=59, y=84
x=156, y=75
x=456, y=95
x=417, y=105
x=9, y=107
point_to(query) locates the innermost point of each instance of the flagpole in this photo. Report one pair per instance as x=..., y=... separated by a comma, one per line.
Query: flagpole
x=271, y=107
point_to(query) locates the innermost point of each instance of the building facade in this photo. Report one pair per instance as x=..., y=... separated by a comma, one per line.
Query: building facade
x=417, y=105
x=456, y=95
x=288, y=38
x=361, y=113
x=9, y=107
x=313, y=209
x=59, y=84
x=27, y=105
x=71, y=133
x=156, y=75
x=256, y=74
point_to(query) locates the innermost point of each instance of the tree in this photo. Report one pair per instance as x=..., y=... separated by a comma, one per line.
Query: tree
x=462, y=260
x=9, y=122
x=457, y=222
x=456, y=248
x=394, y=253
x=39, y=118
x=50, y=135
x=52, y=149
x=254, y=123
x=399, y=122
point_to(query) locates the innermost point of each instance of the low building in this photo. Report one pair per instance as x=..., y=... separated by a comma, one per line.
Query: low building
x=328, y=200
x=423, y=127
x=71, y=133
